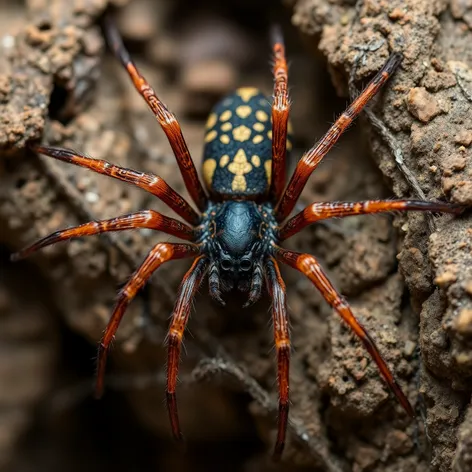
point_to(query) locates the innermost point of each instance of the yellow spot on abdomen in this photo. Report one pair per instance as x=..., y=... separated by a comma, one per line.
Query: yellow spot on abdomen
x=226, y=126
x=209, y=167
x=241, y=133
x=243, y=111
x=239, y=167
x=211, y=121
x=226, y=115
x=224, y=138
x=256, y=160
x=259, y=127
x=246, y=93
x=210, y=136
x=268, y=170
x=269, y=134
x=224, y=160
x=240, y=164
x=261, y=115
x=257, y=139
x=239, y=184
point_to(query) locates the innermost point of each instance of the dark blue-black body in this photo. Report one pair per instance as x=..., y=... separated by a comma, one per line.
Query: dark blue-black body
x=238, y=236
x=237, y=168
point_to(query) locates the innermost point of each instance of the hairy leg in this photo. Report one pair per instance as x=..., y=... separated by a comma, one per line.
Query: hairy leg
x=164, y=116
x=162, y=252
x=322, y=211
x=308, y=265
x=276, y=288
x=280, y=114
x=189, y=286
x=313, y=157
x=143, y=219
x=150, y=182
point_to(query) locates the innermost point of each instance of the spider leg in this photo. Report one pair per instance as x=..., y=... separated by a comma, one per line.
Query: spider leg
x=280, y=114
x=276, y=288
x=308, y=265
x=160, y=253
x=190, y=284
x=142, y=219
x=150, y=182
x=322, y=211
x=313, y=157
x=166, y=118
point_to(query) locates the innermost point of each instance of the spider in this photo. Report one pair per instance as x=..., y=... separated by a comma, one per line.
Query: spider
x=235, y=236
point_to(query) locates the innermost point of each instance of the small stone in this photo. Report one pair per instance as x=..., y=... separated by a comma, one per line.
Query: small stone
x=396, y=14
x=399, y=442
x=36, y=37
x=366, y=457
x=138, y=21
x=422, y=105
x=209, y=76
x=462, y=192
x=464, y=137
x=463, y=322
x=459, y=7
x=409, y=348
x=8, y=41
x=445, y=279
x=456, y=163
x=464, y=360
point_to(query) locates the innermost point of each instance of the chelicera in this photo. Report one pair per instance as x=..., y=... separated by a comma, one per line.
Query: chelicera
x=235, y=235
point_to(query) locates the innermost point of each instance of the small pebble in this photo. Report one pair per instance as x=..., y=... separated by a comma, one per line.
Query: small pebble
x=463, y=322
x=137, y=21
x=422, y=105
x=409, y=348
x=464, y=137
x=216, y=77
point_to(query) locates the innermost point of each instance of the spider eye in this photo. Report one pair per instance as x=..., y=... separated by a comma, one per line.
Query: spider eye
x=245, y=264
x=225, y=264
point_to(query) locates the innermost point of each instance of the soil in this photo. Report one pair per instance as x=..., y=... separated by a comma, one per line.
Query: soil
x=407, y=277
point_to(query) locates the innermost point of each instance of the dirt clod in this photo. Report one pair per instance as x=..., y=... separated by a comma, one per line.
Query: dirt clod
x=422, y=105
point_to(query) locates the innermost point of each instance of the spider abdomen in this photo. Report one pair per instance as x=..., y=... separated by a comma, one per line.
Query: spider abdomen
x=237, y=159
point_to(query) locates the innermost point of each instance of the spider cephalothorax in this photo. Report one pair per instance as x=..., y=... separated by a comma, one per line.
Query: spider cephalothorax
x=239, y=239
x=235, y=236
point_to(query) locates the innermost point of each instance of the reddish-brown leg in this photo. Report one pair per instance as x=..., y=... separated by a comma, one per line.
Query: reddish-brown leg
x=322, y=211
x=276, y=288
x=166, y=118
x=180, y=315
x=143, y=219
x=280, y=114
x=150, y=182
x=309, y=266
x=160, y=253
x=313, y=157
